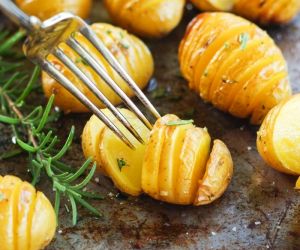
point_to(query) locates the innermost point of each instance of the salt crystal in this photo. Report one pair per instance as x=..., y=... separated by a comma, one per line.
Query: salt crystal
x=234, y=229
x=213, y=233
x=97, y=180
x=56, y=109
x=110, y=194
x=249, y=148
x=14, y=140
x=60, y=231
x=257, y=222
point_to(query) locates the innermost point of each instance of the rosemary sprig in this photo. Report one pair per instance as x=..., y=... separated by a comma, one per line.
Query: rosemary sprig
x=32, y=135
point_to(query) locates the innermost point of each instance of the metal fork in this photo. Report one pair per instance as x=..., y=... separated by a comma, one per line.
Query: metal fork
x=44, y=39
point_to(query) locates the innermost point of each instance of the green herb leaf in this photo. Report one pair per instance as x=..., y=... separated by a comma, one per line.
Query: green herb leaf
x=121, y=163
x=243, y=39
x=1, y=197
x=179, y=122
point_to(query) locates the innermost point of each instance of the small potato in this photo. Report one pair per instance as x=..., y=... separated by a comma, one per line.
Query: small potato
x=214, y=5
x=27, y=220
x=268, y=11
x=130, y=51
x=234, y=64
x=176, y=165
x=46, y=9
x=147, y=18
x=278, y=140
x=263, y=12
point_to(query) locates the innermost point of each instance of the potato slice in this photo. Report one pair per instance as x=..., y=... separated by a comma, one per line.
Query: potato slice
x=152, y=158
x=92, y=136
x=43, y=223
x=193, y=158
x=121, y=163
x=25, y=201
x=286, y=135
x=217, y=177
x=170, y=161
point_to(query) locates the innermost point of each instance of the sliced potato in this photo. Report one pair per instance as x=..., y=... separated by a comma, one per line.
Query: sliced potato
x=131, y=53
x=171, y=164
x=218, y=175
x=234, y=64
x=27, y=218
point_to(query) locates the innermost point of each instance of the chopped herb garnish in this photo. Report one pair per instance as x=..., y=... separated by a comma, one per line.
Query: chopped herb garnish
x=121, y=35
x=125, y=46
x=226, y=45
x=243, y=39
x=205, y=73
x=81, y=60
x=179, y=122
x=121, y=163
x=1, y=197
x=108, y=32
x=159, y=93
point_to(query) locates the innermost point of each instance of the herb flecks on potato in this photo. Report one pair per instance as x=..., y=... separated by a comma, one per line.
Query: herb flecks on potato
x=150, y=18
x=131, y=52
x=27, y=218
x=46, y=9
x=175, y=165
x=278, y=140
x=234, y=64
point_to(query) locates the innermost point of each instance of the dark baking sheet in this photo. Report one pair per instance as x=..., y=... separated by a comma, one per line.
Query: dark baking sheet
x=260, y=209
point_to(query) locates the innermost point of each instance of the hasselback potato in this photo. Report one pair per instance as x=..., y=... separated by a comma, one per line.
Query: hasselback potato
x=149, y=18
x=46, y=9
x=175, y=165
x=27, y=218
x=233, y=64
x=130, y=51
x=263, y=12
x=278, y=140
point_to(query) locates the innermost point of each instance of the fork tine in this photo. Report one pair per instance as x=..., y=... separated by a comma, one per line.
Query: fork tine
x=90, y=35
x=57, y=75
x=98, y=68
x=91, y=85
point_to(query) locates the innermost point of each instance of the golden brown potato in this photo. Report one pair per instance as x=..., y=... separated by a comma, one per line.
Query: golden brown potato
x=268, y=11
x=234, y=65
x=176, y=165
x=263, y=12
x=27, y=220
x=278, y=140
x=46, y=9
x=214, y=5
x=149, y=18
x=131, y=52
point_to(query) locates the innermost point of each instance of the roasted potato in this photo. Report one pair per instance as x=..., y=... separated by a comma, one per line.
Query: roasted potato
x=27, y=220
x=263, y=12
x=268, y=11
x=234, y=65
x=214, y=5
x=131, y=52
x=278, y=140
x=46, y=9
x=176, y=165
x=147, y=18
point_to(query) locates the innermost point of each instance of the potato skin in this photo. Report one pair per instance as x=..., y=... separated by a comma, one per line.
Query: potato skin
x=263, y=12
x=176, y=165
x=234, y=65
x=268, y=12
x=46, y=9
x=279, y=136
x=147, y=18
x=218, y=175
x=130, y=51
x=27, y=220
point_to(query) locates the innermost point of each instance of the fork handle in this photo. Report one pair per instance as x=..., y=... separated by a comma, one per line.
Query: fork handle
x=16, y=15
